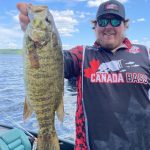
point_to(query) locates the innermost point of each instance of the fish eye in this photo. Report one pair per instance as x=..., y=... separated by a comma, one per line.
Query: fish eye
x=47, y=20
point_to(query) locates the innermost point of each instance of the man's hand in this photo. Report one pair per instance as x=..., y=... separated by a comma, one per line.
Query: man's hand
x=23, y=16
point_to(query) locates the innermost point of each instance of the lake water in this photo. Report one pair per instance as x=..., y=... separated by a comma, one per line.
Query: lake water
x=12, y=98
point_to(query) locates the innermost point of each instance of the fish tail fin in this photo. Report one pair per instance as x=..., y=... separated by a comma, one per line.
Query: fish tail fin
x=27, y=109
x=47, y=142
x=60, y=110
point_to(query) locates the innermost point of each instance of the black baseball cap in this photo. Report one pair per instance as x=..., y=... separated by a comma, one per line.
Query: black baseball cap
x=111, y=7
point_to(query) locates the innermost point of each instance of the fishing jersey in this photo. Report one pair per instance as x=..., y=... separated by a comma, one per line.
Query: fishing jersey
x=113, y=104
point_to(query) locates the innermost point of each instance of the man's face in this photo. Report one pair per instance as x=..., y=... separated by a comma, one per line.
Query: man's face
x=109, y=36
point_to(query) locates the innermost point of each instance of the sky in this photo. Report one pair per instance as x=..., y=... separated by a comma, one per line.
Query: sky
x=73, y=21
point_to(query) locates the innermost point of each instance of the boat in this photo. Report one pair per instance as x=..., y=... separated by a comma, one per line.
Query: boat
x=8, y=133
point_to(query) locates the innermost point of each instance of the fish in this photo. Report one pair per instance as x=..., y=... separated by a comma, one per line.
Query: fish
x=43, y=75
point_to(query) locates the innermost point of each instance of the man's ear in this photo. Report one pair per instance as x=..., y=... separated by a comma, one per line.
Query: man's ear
x=126, y=23
x=94, y=23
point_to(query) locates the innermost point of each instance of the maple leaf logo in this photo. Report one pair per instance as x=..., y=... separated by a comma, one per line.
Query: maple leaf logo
x=94, y=64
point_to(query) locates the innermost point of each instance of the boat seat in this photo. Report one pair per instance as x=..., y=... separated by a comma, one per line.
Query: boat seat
x=14, y=139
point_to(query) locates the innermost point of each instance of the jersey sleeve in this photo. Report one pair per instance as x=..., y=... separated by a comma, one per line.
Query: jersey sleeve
x=73, y=62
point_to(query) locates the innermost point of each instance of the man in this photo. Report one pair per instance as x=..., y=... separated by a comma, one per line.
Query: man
x=113, y=79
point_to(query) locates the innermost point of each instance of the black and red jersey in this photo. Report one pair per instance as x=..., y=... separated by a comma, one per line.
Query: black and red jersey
x=113, y=103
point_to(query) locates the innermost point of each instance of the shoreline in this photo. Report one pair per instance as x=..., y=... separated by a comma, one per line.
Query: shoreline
x=10, y=51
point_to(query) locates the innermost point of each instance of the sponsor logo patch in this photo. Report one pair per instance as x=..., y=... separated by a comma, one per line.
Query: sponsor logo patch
x=134, y=50
x=111, y=6
x=114, y=72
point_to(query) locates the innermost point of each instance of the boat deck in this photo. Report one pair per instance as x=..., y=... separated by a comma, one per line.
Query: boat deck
x=66, y=143
x=3, y=129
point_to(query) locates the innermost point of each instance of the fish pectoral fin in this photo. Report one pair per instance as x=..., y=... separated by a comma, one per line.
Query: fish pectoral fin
x=27, y=109
x=60, y=111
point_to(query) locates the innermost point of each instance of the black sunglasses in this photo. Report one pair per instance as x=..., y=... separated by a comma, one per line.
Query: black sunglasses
x=115, y=22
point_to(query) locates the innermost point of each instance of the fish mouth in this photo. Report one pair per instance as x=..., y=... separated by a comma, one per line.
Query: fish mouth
x=38, y=40
x=37, y=36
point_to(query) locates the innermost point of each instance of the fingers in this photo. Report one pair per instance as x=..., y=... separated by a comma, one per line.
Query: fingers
x=22, y=7
x=23, y=16
x=24, y=19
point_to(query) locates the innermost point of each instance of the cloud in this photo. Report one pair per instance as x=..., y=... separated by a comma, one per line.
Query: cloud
x=133, y=21
x=10, y=37
x=81, y=15
x=65, y=22
x=135, y=41
x=62, y=1
x=96, y=3
x=80, y=0
x=147, y=43
x=144, y=41
x=13, y=14
x=47, y=1
x=16, y=18
x=141, y=20
x=11, y=34
x=67, y=46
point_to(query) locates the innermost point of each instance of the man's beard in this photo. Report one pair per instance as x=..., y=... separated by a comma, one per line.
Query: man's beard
x=110, y=46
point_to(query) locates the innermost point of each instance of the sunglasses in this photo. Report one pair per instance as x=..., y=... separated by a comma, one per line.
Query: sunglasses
x=115, y=22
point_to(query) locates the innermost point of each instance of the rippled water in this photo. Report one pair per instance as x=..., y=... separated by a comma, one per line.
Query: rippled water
x=12, y=98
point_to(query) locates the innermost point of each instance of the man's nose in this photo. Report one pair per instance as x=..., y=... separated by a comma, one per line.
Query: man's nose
x=109, y=25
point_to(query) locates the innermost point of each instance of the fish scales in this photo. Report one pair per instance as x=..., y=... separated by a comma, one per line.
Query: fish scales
x=44, y=80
